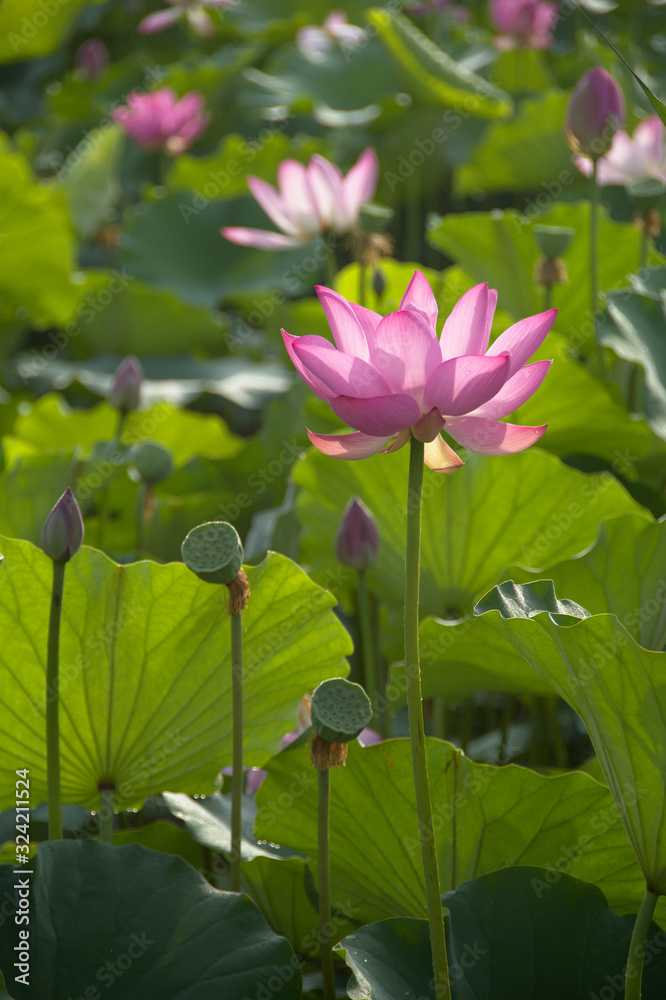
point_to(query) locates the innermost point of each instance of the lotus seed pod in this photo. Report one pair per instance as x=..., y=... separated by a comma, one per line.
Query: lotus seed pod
x=646, y=193
x=152, y=460
x=553, y=241
x=214, y=552
x=340, y=710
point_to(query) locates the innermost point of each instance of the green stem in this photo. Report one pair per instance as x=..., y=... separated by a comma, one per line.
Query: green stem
x=413, y=217
x=325, y=939
x=594, y=258
x=331, y=266
x=143, y=504
x=559, y=749
x=547, y=297
x=362, y=275
x=103, y=497
x=106, y=815
x=416, y=727
x=237, y=756
x=634, y=973
x=53, y=704
x=644, y=241
x=370, y=675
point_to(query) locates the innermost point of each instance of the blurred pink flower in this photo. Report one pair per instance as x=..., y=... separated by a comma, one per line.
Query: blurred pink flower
x=391, y=376
x=523, y=22
x=193, y=10
x=309, y=201
x=92, y=57
x=315, y=43
x=595, y=112
x=641, y=157
x=159, y=120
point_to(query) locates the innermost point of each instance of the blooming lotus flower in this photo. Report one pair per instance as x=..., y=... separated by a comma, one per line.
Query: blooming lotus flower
x=595, y=112
x=523, y=22
x=193, y=10
x=641, y=157
x=309, y=201
x=391, y=377
x=315, y=43
x=159, y=120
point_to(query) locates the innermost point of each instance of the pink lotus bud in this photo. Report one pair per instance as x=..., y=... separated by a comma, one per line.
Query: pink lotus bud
x=63, y=531
x=357, y=540
x=595, y=113
x=125, y=390
x=93, y=58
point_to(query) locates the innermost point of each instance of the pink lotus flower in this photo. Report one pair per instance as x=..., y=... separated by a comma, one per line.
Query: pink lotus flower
x=523, y=22
x=160, y=120
x=92, y=57
x=641, y=157
x=315, y=43
x=309, y=201
x=392, y=377
x=193, y=10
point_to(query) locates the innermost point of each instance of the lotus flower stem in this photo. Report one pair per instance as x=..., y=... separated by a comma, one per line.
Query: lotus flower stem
x=547, y=297
x=331, y=264
x=644, y=243
x=53, y=704
x=634, y=973
x=370, y=667
x=104, y=494
x=594, y=255
x=416, y=727
x=106, y=814
x=362, y=276
x=323, y=824
x=439, y=718
x=237, y=754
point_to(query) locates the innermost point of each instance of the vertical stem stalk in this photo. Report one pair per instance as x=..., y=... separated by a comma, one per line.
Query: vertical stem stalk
x=547, y=297
x=634, y=973
x=594, y=258
x=237, y=756
x=362, y=275
x=331, y=265
x=416, y=727
x=53, y=704
x=323, y=810
x=106, y=815
x=104, y=494
x=370, y=676
x=644, y=241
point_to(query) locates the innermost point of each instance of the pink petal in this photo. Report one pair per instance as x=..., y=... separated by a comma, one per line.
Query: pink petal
x=159, y=21
x=368, y=319
x=405, y=350
x=348, y=446
x=460, y=385
x=516, y=391
x=419, y=296
x=200, y=23
x=313, y=42
x=334, y=20
x=401, y=440
x=344, y=374
x=346, y=327
x=467, y=330
x=326, y=185
x=318, y=387
x=273, y=205
x=489, y=437
x=360, y=183
x=649, y=136
x=297, y=197
x=261, y=238
x=379, y=415
x=440, y=457
x=368, y=737
x=523, y=338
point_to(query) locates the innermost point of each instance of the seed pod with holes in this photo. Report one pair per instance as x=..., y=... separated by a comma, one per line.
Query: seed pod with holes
x=340, y=710
x=214, y=552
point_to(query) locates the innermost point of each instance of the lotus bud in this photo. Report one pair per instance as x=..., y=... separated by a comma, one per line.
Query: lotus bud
x=553, y=241
x=357, y=540
x=214, y=552
x=93, y=58
x=62, y=534
x=378, y=282
x=125, y=390
x=594, y=114
x=340, y=711
x=152, y=461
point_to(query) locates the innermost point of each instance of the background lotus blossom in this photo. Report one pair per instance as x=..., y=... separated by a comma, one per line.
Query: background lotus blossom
x=92, y=56
x=309, y=201
x=159, y=120
x=195, y=14
x=316, y=42
x=639, y=157
x=391, y=376
x=523, y=22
